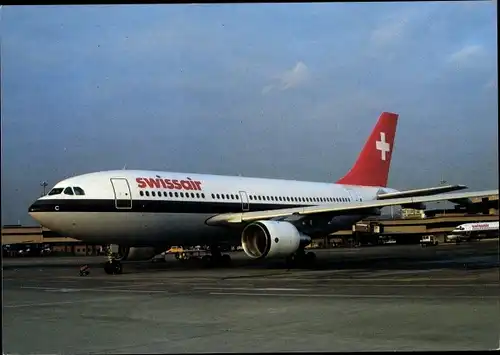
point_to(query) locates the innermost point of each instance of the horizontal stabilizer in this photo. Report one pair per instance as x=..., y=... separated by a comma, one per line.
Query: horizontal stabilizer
x=421, y=192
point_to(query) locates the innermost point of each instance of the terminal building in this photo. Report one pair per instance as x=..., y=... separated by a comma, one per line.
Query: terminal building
x=406, y=230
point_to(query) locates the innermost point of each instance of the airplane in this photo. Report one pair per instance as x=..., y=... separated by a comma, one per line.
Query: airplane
x=143, y=213
x=470, y=230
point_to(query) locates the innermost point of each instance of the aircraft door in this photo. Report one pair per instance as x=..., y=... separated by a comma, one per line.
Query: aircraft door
x=245, y=205
x=123, y=196
x=354, y=195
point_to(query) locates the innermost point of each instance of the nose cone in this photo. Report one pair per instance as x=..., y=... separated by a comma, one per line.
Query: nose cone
x=36, y=210
x=35, y=206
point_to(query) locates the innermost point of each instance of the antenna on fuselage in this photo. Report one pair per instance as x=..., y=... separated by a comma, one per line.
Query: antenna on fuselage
x=124, y=167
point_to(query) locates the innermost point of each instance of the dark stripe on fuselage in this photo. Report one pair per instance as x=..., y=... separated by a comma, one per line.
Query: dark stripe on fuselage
x=149, y=206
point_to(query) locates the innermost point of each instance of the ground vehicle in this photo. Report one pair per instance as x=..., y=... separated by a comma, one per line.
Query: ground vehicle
x=428, y=240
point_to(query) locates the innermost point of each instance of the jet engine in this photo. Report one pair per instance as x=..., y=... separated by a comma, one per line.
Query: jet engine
x=137, y=253
x=272, y=239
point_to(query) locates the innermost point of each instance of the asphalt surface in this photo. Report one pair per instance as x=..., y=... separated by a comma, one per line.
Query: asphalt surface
x=374, y=298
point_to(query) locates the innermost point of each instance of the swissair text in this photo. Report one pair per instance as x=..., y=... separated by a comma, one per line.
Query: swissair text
x=188, y=184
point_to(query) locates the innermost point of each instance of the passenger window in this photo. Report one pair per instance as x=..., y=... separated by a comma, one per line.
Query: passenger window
x=171, y=194
x=141, y=193
x=78, y=191
x=222, y=196
x=165, y=193
x=197, y=195
x=192, y=194
x=55, y=191
x=218, y=197
x=237, y=197
x=213, y=196
x=147, y=193
x=176, y=194
x=202, y=195
x=68, y=191
x=181, y=194
x=153, y=193
x=227, y=196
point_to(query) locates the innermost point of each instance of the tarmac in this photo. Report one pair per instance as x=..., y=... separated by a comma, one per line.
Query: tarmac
x=360, y=299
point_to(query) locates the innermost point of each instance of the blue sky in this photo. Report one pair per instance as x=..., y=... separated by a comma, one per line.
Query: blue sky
x=270, y=90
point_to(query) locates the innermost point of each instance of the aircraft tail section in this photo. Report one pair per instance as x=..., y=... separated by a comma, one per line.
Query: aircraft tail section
x=373, y=163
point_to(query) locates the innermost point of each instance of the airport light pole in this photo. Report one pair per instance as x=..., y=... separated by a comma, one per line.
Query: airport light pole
x=442, y=183
x=44, y=184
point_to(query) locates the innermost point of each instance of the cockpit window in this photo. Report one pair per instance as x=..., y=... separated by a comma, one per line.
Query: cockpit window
x=68, y=191
x=78, y=190
x=55, y=191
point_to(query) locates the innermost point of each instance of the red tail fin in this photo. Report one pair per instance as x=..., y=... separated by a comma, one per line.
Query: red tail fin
x=372, y=166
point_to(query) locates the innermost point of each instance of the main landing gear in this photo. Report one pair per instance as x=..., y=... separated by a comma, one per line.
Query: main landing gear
x=113, y=266
x=216, y=258
x=301, y=258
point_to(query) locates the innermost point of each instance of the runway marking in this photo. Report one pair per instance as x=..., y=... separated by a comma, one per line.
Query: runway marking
x=342, y=295
x=375, y=279
x=413, y=285
x=66, y=302
x=53, y=289
x=405, y=272
x=250, y=288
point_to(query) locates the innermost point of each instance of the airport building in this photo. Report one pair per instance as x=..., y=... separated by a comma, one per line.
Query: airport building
x=407, y=230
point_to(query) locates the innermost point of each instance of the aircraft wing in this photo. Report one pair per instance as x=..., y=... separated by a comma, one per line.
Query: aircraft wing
x=421, y=192
x=354, y=207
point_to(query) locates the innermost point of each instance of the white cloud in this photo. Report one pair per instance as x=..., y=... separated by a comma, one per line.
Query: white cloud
x=492, y=84
x=389, y=33
x=465, y=56
x=290, y=79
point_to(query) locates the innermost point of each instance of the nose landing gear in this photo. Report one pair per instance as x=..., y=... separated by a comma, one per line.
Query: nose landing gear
x=216, y=258
x=113, y=266
x=301, y=259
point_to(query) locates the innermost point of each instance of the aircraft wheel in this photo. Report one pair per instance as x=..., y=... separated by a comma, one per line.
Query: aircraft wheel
x=113, y=267
x=118, y=267
x=108, y=268
x=225, y=260
x=310, y=258
x=207, y=260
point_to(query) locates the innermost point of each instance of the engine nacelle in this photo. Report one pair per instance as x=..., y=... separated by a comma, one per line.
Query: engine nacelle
x=272, y=239
x=137, y=253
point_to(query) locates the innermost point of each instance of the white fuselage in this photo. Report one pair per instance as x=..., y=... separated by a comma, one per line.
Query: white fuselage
x=471, y=229
x=137, y=208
